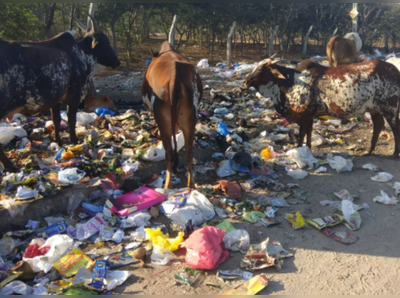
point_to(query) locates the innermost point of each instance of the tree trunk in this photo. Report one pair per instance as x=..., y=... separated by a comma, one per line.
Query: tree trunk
x=372, y=41
x=92, y=9
x=386, y=49
x=212, y=45
x=229, y=44
x=114, y=37
x=171, y=37
x=282, y=46
x=271, y=42
x=306, y=42
x=71, y=21
x=241, y=41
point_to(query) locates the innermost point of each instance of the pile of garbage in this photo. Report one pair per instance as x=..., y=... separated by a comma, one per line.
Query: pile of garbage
x=85, y=250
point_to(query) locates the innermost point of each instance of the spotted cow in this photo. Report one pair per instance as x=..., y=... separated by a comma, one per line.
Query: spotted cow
x=38, y=76
x=172, y=91
x=345, y=91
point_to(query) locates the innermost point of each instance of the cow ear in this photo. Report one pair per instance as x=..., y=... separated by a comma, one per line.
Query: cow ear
x=94, y=43
x=277, y=74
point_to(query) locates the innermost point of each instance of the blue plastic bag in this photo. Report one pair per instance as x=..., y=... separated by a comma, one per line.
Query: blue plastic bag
x=101, y=112
x=223, y=129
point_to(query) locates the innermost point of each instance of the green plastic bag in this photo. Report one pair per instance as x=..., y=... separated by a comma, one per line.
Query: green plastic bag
x=226, y=226
x=80, y=291
x=253, y=216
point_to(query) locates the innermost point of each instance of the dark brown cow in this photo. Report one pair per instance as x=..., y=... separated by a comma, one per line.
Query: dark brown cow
x=172, y=90
x=341, y=51
x=343, y=91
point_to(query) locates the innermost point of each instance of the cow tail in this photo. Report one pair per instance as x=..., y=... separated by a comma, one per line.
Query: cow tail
x=174, y=105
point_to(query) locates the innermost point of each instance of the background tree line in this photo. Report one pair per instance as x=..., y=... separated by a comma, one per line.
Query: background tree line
x=207, y=24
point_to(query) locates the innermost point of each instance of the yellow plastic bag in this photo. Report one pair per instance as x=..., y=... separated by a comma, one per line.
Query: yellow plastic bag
x=296, y=220
x=266, y=154
x=163, y=240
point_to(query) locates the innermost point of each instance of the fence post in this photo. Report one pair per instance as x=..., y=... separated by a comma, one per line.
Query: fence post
x=171, y=37
x=229, y=44
x=306, y=42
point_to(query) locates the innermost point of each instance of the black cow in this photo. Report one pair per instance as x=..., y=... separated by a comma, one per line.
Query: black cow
x=38, y=76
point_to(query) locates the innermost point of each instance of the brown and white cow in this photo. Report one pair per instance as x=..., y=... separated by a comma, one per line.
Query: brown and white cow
x=172, y=91
x=343, y=50
x=343, y=92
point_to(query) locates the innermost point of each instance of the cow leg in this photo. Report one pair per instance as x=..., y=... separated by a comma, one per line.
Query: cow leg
x=8, y=165
x=187, y=122
x=378, y=122
x=55, y=116
x=302, y=133
x=71, y=112
x=309, y=133
x=164, y=125
x=394, y=123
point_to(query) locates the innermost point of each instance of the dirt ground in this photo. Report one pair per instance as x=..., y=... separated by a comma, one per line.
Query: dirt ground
x=320, y=265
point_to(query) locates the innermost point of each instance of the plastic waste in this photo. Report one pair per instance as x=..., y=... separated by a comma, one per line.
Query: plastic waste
x=161, y=256
x=13, y=208
x=245, y=68
x=138, y=235
x=7, y=245
x=57, y=246
x=352, y=217
x=297, y=174
x=163, y=240
x=253, y=216
x=9, y=133
x=382, y=177
x=138, y=219
x=70, y=176
x=339, y=164
x=16, y=287
x=303, y=157
x=223, y=129
x=344, y=195
x=221, y=111
x=197, y=208
x=384, y=198
x=226, y=170
x=270, y=211
x=157, y=154
x=321, y=170
x=396, y=187
x=88, y=229
x=203, y=63
x=205, y=249
x=238, y=240
x=101, y=112
x=296, y=220
x=371, y=167
x=24, y=193
x=79, y=291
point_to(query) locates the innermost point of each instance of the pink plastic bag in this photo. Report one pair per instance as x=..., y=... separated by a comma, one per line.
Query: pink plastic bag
x=205, y=249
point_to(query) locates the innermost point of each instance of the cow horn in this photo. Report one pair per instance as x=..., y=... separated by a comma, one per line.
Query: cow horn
x=95, y=26
x=275, y=61
x=273, y=56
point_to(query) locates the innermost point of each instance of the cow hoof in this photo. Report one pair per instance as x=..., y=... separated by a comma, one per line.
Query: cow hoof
x=367, y=153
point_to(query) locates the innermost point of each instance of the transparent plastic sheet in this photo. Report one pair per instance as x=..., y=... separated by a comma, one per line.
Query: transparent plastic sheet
x=161, y=256
x=15, y=209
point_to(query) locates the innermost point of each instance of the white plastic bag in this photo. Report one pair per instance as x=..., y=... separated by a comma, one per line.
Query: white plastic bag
x=59, y=246
x=9, y=133
x=321, y=170
x=339, y=164
x=203, y=63
x=382, y=177
x=303, y=157
x=7, y=245
x=161, y=256
x=396, y=188
x=70, y=176
x=371, y=167
x=384, y=198
x=347, y=209
x=238, y=240
x=16, y=287
x=156, y=154
x=88, y=229
x=139, y=219
x=24, y=193
x=197, y=208
x=225, y=170
x=297, y=174
x=116, y=278
x=82, y=118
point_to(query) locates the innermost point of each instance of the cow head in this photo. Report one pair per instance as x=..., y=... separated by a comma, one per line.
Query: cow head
x=265, y=78
x=100, y=46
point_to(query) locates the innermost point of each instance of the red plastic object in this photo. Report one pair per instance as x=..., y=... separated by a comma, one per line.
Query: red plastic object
x=205, y=249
